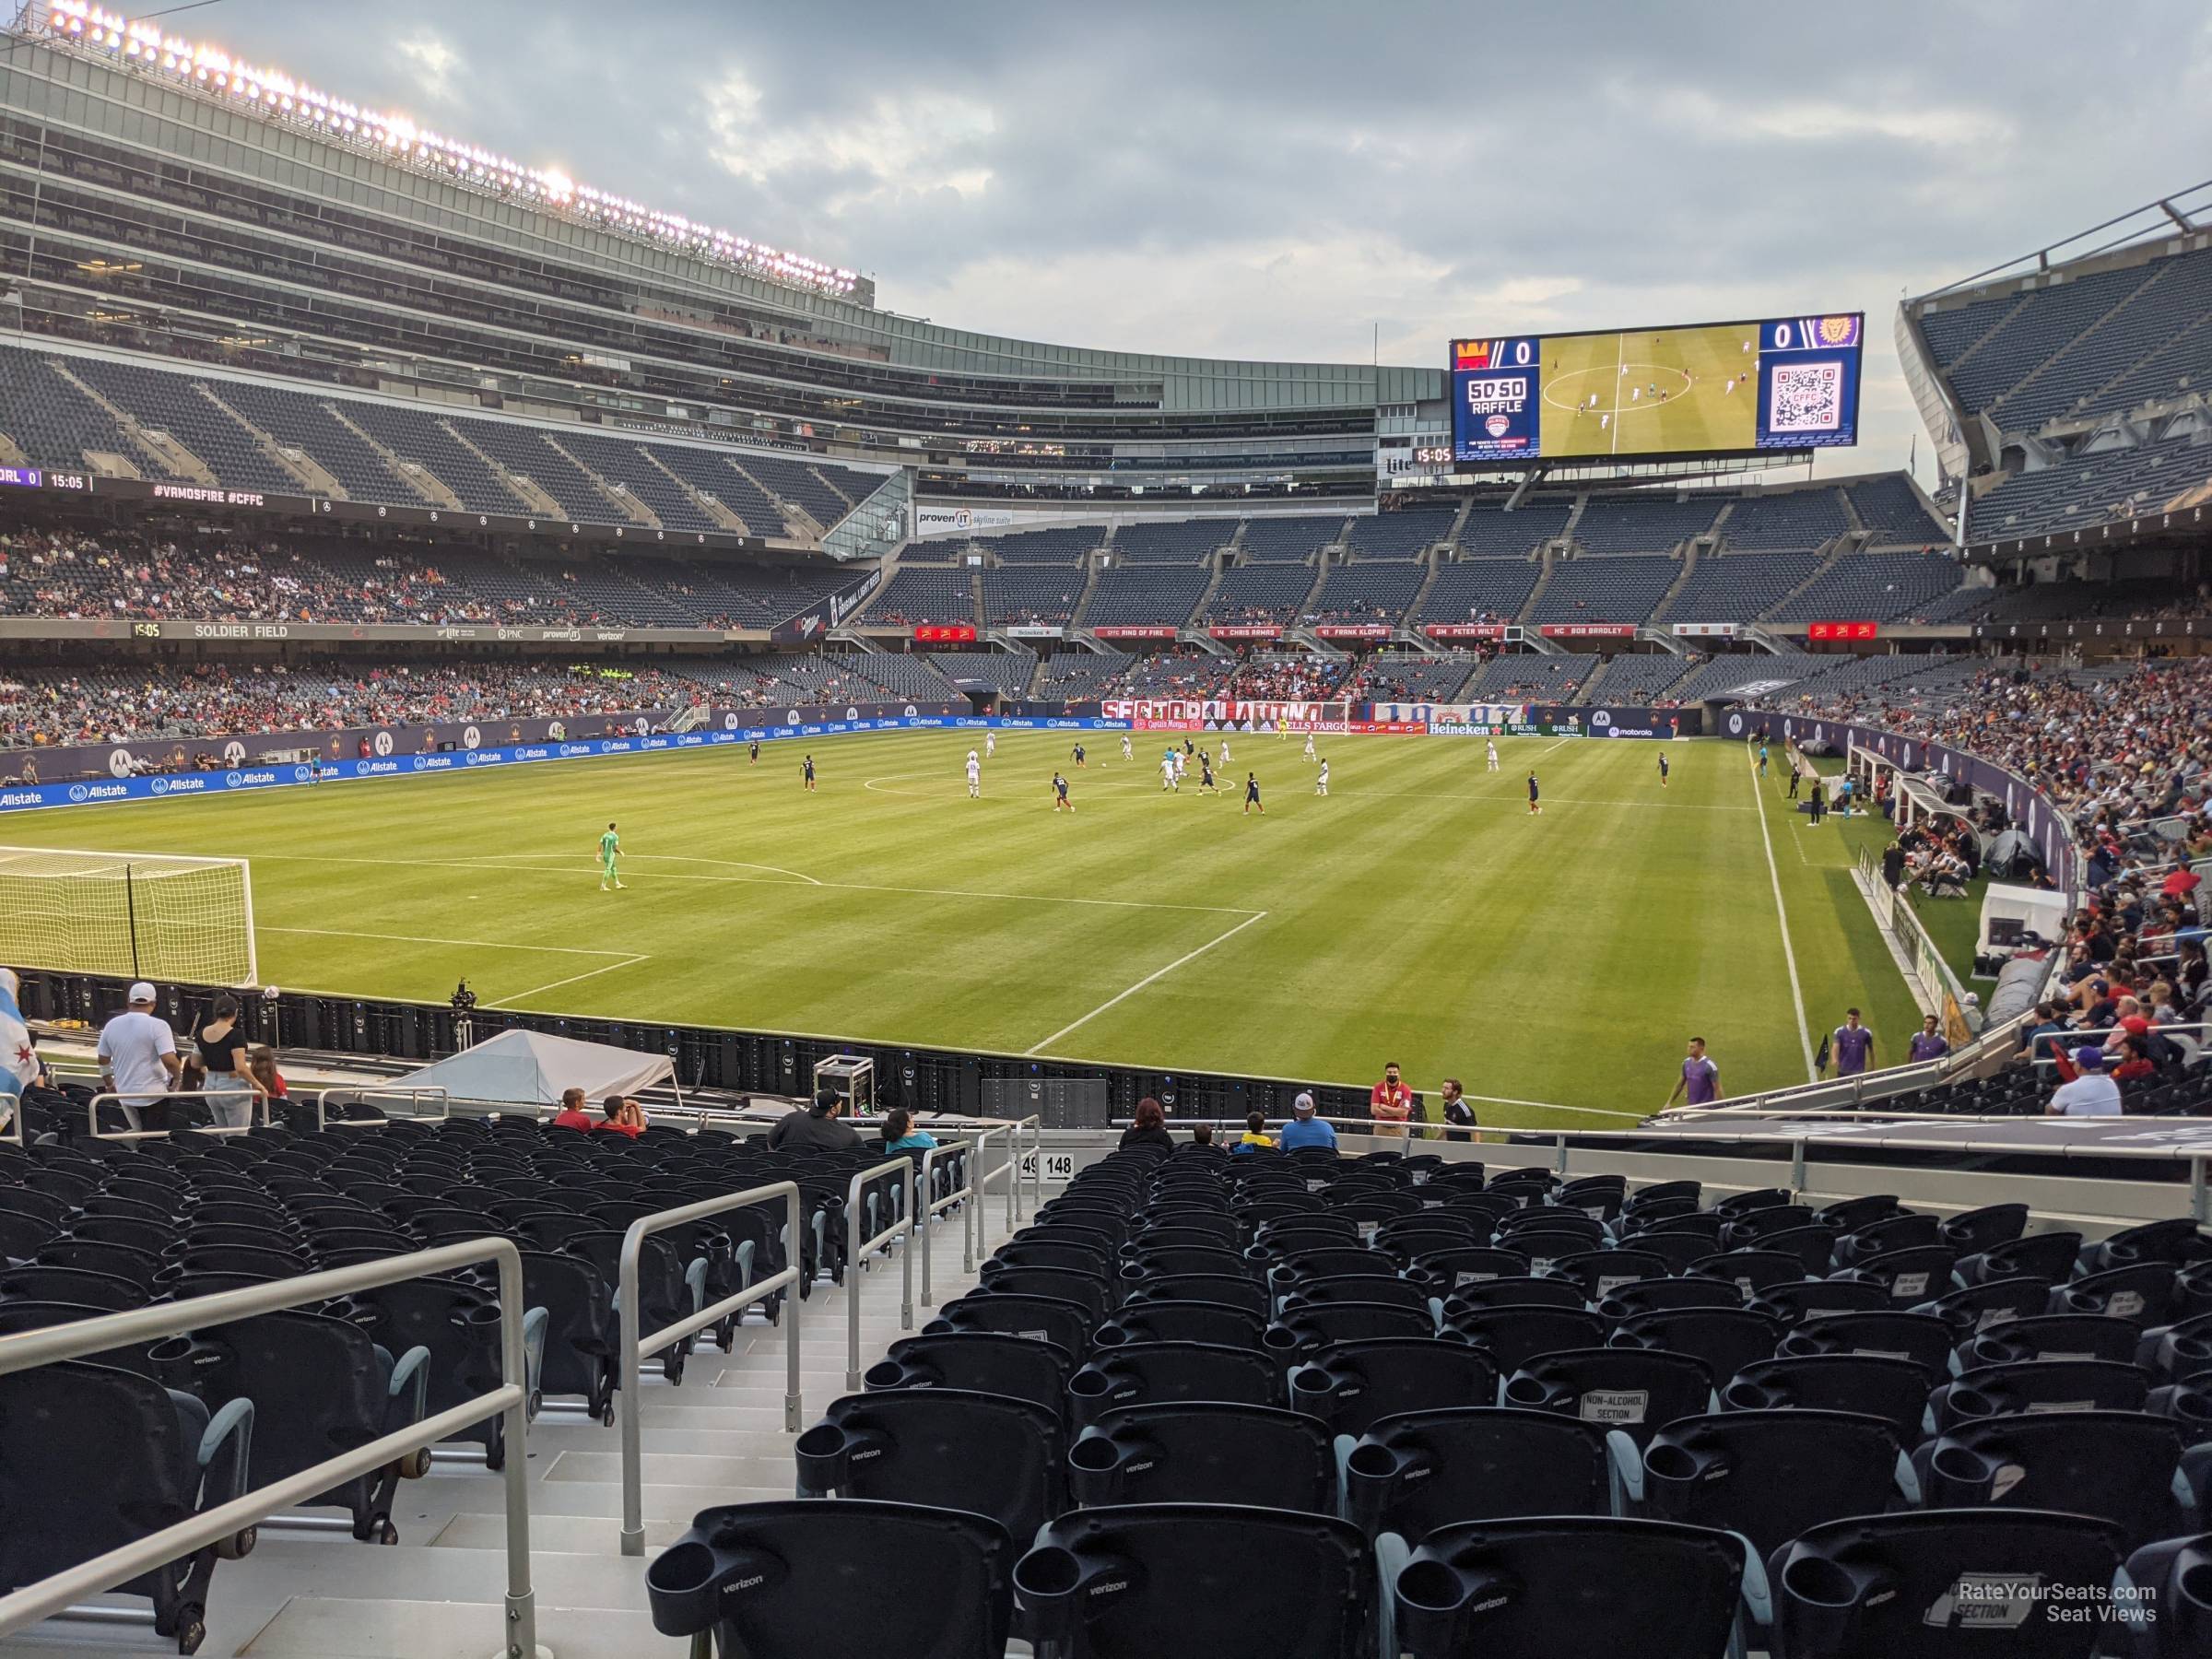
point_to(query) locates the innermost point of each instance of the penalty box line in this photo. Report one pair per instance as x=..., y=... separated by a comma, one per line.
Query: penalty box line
x=623, y=958
x=1156, y=975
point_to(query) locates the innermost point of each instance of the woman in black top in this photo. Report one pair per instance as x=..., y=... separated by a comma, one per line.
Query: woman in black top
x=1150, y=1129
x=230, y=1083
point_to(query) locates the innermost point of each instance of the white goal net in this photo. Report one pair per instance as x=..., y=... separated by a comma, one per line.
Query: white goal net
x=135, y=915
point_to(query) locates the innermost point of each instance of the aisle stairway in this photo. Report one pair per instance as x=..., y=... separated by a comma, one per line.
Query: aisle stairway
x=439, y=1593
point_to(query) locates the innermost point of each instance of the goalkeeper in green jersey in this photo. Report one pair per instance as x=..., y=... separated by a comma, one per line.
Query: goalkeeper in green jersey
x=610, y=848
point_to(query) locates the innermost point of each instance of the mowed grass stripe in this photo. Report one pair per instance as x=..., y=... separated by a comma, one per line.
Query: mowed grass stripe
x=1416, y=914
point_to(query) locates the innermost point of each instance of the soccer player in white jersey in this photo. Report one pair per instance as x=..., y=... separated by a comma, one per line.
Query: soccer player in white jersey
x=1125, y=754
x=1225, y=749
x=1176, y=760
x=1321, y=784
x=1309, y=745
x=1167, y=772
x=975, y=777
x=1491, y=749
x=989, y=743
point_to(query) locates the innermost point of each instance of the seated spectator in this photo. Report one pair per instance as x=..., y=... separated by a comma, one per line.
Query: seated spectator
x=2087, y=1091
x=815, y=1128
x=621, y=1115
x=1306, y=1128
x=1202, y=1134
x=900, y=1136
x=1149, y=1128
x=1255, y=1137
x=571, y=1114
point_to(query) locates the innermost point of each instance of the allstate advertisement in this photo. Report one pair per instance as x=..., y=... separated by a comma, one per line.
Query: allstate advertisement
x=90, y=792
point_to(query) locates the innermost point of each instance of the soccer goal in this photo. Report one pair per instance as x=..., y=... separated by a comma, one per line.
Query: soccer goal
x=136, y=916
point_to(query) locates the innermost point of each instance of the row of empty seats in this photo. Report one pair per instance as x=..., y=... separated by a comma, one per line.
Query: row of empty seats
x=1306, y=1407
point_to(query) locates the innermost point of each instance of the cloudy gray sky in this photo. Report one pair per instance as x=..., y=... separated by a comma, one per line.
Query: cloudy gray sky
x=1283, y=180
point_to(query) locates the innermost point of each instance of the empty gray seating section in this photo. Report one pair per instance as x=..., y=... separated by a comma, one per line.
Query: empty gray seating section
x=1950, y=334
x=1171, y=541
x=1480, y=588
x=1077, y=676
x=2184, y=362
x=926, y=593
x=1171, y=674
x=793, y=480
x=171, y=403
x=1261, y=593
x=1492, y=533
x=1135, y=595
x=1605, y=590
x=2044, y=322
x=1635, y=678
x=2077, y=378
x=1421, y=680
x=298, y=422
x=1029, y=595
x=1928, y=684
x=1872, y=587
x=1963, y=605
x=730, y=596
x=2111, y=484
x=1059, y=545
x=1851, y=673
x=1011, y=671
x=53, y=423
x=1274, y=540
x=1788, y=518
x=603, y=591
x=417, y=435
x=1895, y=513
x=1399, y=534
x=1531, y=676
x=2062, y=601
x=1378, y=592
x=624, y=462
x=524, y=450
x=827, y=678
x=1643, y=524
x=1730, y=672
x=713, y=473
x=898, y=677
x=1739, y=587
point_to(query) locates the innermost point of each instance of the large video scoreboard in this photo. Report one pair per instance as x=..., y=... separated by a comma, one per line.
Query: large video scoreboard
x=1717, y=388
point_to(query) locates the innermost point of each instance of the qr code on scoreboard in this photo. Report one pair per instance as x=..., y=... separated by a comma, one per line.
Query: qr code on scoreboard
x=1809, y=397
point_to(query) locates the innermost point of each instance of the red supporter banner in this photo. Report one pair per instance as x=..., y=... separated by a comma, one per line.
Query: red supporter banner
x=1465, y=630
x=1396, y=728
x=1352, y=630
x=1147, y=630
x=1588, y=630
x=944, y=633
x=1841, y=630
x=1246, y=630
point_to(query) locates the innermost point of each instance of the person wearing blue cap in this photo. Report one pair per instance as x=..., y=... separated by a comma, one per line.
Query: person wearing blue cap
x=2088, y=1092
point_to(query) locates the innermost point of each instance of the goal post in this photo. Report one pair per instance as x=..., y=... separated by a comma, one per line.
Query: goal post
x=133, y=915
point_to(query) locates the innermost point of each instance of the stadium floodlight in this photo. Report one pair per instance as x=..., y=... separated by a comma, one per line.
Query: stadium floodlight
x=133, y=915
x=142, y=47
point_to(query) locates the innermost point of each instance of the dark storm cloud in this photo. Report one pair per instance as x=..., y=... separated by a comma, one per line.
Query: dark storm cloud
x=1277, y=181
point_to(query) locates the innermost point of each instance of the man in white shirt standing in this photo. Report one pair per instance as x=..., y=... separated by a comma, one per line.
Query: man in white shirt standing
x=2092, y=1094
x=138, y=1060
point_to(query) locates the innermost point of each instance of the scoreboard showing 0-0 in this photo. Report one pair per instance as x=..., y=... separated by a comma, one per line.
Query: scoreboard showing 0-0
x=1716, y=388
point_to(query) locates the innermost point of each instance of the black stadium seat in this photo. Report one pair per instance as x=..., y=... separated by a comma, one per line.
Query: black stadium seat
x=989, y=1454
x=1205, y=1452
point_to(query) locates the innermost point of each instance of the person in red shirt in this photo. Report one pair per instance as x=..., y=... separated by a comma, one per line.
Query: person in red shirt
x=571, y=1114
x=620, y=1115
x=1390, y=1101
x=2181, y=882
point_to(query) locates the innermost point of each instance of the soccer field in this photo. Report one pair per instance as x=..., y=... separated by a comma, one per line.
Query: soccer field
x=1417, y=914
x=1656, y=391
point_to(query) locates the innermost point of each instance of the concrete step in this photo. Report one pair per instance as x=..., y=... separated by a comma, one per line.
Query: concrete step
x=562, y=1534
x=312, y=1627
x=692, y=1438
x=672, y=1468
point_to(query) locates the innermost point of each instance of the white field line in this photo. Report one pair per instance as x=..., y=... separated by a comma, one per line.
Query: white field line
x=1549, y=746
x=588, y=866
x=629, y=858
x=1150, y=786
x=1158, y=973
x=347, y=933
x=1782, y=914
x=509, y=1002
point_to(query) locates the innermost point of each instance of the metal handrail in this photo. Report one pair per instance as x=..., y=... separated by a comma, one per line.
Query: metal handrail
x=94, y=1132
x=637, y=1349
x=366, y=1096
x=857, y=1250
x=932, y=1208
x=119, y=1566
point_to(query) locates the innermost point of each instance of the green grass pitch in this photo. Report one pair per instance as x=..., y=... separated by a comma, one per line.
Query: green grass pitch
x=1417, y=914
x=1692, y=368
